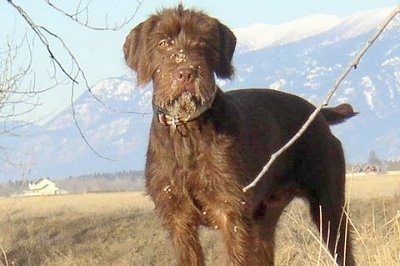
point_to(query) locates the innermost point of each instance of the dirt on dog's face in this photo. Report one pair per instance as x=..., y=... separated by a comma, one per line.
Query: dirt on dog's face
x=184, y=83
x=181, y=53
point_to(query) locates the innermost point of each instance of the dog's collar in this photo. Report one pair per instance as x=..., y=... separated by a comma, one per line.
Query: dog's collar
x=169, y=120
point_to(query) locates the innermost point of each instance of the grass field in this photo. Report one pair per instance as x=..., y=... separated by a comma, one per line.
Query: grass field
x=121, y=229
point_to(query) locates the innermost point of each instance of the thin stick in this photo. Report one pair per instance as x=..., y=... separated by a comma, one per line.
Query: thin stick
x=4, y=256
x=324, y=247
x=353, y=64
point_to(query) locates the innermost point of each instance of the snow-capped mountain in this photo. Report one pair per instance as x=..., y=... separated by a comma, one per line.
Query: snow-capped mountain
x=303, y=57
x=259, y=36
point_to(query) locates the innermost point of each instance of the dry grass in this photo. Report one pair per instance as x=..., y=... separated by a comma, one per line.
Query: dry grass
x=121, y=229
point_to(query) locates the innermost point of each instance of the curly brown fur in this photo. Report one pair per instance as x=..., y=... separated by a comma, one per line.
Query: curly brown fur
x=206, y=145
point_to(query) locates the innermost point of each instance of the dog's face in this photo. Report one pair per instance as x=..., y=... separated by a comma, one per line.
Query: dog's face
x=181, y=51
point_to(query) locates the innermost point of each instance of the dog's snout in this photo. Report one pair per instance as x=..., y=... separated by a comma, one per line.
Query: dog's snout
x=185, y=74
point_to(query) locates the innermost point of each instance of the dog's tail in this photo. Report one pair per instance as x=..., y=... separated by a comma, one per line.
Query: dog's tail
x=338, y=114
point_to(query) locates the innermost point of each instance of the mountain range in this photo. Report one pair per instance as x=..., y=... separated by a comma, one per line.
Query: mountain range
x=302, y=57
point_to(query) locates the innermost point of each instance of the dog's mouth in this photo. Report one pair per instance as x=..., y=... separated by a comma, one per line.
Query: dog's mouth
x=184, y=108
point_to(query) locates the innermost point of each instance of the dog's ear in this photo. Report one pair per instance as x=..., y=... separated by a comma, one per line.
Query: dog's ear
x=226, y=48
x=136, y=52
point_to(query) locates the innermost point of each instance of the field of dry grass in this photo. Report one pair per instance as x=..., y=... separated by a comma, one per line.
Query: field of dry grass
x=121, y=229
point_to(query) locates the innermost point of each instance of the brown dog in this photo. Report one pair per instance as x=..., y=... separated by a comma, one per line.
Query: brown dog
x=206, y=145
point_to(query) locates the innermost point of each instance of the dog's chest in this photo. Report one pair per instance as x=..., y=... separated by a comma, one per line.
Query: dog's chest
x=201, y=161
x=207, y=172
x=196, y=148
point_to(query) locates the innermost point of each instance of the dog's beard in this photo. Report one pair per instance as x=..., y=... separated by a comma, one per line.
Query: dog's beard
x=186, y=106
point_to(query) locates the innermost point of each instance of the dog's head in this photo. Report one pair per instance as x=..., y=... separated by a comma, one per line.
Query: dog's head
x=181, y=51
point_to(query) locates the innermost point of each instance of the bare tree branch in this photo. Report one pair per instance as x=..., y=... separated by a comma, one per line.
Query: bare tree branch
x=353, y=64
x=74, y=115
x=41, y=32
x=85, y=11
x=13, y=90
x=76, y=73
x=44, y=40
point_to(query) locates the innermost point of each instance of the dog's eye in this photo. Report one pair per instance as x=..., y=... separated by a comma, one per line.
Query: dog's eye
x=165, y=43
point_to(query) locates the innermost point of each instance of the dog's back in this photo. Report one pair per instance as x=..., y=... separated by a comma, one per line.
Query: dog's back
x=279, y=103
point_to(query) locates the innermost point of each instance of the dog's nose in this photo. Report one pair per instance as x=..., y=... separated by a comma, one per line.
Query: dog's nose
x=185, y=74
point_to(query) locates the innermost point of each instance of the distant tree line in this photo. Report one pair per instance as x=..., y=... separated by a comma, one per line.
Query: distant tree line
x=97, y=182
x=12, y=186
x=374, y=164
x=130, y=174
x=393, y=165
x=103, y=182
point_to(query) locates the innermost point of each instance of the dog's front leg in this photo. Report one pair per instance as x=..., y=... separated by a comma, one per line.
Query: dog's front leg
x=185, y=239
x=237, y=236
x=180, y=218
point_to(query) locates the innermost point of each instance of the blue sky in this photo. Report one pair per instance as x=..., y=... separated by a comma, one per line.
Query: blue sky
x=99, y=53
x=242, y=13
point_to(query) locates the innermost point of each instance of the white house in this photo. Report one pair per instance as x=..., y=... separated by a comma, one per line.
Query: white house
x=42, y=187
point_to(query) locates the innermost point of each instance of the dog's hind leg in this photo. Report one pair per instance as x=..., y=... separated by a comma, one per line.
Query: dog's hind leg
x=265, y=219
x=327, y=202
